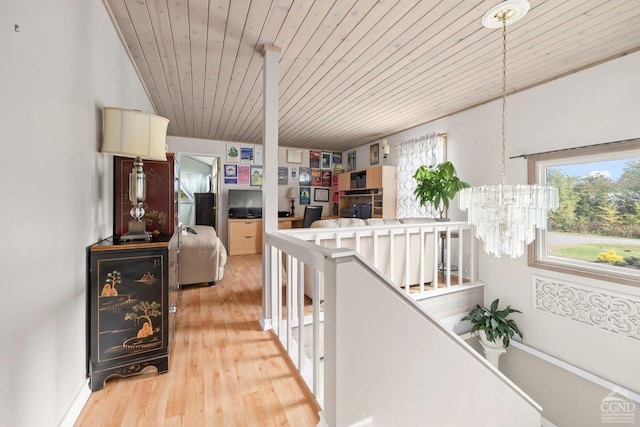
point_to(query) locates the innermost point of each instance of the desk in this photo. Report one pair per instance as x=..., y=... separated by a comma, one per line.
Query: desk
x=290, y=222
x=245, y=235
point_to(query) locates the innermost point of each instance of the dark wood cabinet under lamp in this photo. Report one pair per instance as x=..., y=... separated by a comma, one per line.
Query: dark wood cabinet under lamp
x=133, y=296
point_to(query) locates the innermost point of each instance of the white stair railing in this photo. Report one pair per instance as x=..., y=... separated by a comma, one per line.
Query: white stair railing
x=408, y=254
x=403, y=368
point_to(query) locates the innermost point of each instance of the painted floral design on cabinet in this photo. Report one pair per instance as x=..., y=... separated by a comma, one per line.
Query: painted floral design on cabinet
x=130, y=299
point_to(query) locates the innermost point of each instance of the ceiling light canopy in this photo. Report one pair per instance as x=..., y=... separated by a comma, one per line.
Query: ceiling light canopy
x=505, y=217
x=507, y=12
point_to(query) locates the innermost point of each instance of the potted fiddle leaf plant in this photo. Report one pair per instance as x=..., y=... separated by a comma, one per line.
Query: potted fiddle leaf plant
x=493, y=325
x=437, y=185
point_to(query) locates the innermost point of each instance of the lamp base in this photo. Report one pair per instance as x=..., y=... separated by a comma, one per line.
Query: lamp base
x=136, y=232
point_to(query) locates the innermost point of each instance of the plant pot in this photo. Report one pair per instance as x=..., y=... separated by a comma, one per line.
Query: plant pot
x=442, y=219
x=492, y=344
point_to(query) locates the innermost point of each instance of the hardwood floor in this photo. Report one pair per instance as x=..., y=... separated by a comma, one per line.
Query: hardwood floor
x=224, y=370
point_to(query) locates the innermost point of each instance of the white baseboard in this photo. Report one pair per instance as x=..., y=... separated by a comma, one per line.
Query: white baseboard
x=323, y=422
x=78, y=403
x=265, y=324
x=362, y=423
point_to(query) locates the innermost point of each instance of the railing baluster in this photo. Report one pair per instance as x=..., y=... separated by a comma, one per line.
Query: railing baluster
x=288, y=304
x=300, y=290
x=376, y=262
x=276, y=267
x=422, y=260
x=436, y=254
x=407, y=259
x=460, y=262
x=316, y=332
x=447, y=266
x=392, y=259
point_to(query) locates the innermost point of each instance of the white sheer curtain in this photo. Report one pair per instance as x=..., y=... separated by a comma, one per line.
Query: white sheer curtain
x=424, y=150
x=190, y=183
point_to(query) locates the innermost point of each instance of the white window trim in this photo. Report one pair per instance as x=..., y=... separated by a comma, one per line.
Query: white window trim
x=537, y=250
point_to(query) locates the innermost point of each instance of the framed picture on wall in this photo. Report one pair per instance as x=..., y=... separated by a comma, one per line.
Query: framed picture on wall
x=293, y=174
x=256, y=175
x=321, y=194
x=233, y=153
x=374, y=153
x=246, y=154
x=337, y=160
x=314, y=159
x=294, y=156
x=305, y=195
x=326, y=160
x=351, y=160
x=282, y=175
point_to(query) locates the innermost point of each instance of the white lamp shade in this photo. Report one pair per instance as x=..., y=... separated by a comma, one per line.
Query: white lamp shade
x=385, y=146
x=131, y=133
x=292, y=193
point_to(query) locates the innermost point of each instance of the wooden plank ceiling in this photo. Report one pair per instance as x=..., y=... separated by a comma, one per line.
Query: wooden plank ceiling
x=352, y=71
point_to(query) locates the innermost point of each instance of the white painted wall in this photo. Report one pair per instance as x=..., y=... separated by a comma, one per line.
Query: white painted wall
x=593, y=106
x=400, y=369
x=63, y=65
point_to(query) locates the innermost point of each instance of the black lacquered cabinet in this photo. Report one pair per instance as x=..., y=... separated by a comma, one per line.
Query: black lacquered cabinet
x=133, y=296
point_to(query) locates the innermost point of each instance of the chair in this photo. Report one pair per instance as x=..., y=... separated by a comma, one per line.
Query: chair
x=311, y=213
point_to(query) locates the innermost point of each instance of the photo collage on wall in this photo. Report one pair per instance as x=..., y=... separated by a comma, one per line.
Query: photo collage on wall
x=243, y=165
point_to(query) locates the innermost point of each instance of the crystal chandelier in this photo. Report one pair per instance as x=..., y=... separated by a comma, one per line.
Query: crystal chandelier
x=505, y=217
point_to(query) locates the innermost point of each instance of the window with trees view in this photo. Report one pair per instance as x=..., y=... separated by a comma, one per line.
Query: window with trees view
x=595, y=231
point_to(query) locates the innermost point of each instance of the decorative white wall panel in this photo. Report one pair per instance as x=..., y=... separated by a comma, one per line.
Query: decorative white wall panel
x=603, y=309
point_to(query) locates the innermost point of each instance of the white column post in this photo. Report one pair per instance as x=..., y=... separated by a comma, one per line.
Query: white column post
x=271, y=56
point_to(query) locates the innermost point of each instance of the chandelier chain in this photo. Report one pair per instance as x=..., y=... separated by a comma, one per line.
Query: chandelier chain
x=504, y=98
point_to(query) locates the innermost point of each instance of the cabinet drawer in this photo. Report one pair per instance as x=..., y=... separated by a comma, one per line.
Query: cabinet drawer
x=245, y=237
x=282, y=224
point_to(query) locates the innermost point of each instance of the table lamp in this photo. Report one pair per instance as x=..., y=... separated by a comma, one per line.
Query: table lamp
x=132, y=133
x=385, y=149
x=292, y=195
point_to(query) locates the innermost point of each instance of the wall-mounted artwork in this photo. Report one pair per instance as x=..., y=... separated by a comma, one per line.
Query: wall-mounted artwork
x=233, y=153
x=230, y=174
x=316, y=177
x=326, y=160
x=337, y=160
x=243, y=174
x=246, y=154
x=294, y=156
x=305, y=195
x=374, y=153
x=256, y=175
x=351, y=160
x=305, y=176
x=257, y=154
x=326, y=179
x=321, y=194
x=314, y=159
x=293, y=174
x=283, y=171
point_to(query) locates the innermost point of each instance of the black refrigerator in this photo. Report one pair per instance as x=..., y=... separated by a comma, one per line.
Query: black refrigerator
x=205, y=209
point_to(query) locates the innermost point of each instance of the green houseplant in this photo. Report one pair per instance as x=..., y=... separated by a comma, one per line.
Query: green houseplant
x=494, y=323
x=437, y=185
